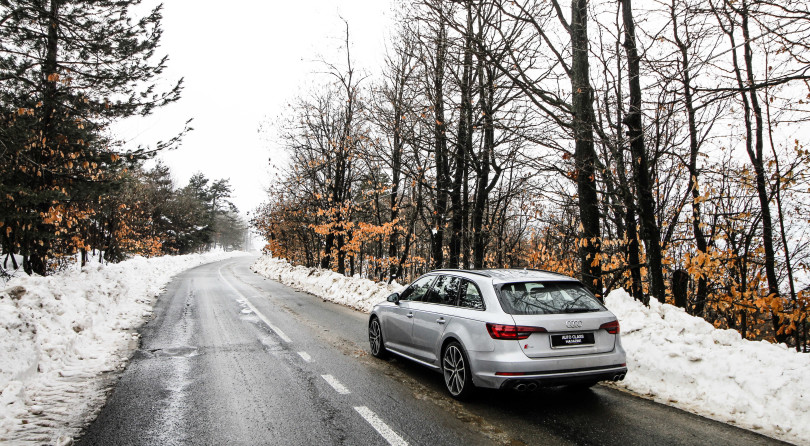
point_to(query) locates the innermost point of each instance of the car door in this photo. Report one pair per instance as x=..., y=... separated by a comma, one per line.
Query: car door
x=397, y=323
x=431, y=314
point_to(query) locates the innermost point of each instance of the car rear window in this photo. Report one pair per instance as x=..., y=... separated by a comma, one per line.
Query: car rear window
x=547, y=298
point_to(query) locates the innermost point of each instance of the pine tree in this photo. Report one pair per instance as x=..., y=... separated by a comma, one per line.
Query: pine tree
x=69, y=68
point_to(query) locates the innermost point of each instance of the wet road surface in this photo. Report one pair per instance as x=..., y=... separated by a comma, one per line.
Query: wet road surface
x=232, y=358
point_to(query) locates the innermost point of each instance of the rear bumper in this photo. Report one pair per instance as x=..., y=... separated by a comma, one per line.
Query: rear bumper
x=610, y=373
x=506, y=368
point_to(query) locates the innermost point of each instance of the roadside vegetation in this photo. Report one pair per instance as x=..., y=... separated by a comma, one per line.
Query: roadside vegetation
x=68, y=190
x=658, y=149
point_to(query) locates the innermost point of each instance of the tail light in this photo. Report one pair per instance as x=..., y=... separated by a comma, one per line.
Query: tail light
x=611, y=327
x=499, y=331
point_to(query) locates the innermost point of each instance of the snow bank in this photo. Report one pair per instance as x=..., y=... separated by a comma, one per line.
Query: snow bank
x=672, y=357
x=354, y=292
x=59, y=335
x=683, y=361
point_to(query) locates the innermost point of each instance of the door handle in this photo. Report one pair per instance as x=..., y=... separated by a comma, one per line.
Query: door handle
x=410, y=314
x=441, y=320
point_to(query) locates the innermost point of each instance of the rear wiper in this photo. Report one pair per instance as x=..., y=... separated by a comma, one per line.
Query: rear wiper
x=579, y=310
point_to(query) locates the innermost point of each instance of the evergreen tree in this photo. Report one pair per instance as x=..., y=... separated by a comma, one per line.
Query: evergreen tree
x=69, y=68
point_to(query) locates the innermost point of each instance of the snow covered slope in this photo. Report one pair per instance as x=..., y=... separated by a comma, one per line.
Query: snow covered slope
x=360, y=294
x=59, y=334
x=673, y=358
x=683, y=361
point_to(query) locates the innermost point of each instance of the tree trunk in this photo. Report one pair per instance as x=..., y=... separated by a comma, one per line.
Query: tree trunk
x=484, y=184
x=754, y=131
x=641, y=168
x=463, y=147
x=341, y=253
x=440, y=140
x=39, y=244
x=680, y=286
x=694, y=148
x=584, y=153
x=326, y=260
x=632, y=248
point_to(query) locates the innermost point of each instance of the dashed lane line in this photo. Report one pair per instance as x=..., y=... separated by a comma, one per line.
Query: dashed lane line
x=379, y=425
x=339, y=388
x=371, y=418
x=277, y=330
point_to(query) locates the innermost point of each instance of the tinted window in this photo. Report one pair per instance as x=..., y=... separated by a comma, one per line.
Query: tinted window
x=444, y=291
x=547, y=298
x=417, y=289
x=470, y=296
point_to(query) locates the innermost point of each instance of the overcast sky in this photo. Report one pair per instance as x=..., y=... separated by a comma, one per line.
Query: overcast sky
x=243, y=61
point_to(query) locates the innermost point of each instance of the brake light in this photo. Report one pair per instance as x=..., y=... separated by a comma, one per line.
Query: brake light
x=611, y=327
x=499, y=331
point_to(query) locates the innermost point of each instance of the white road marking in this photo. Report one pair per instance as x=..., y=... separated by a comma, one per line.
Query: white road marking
x=278, y=331
x=379, y=425
x=305, y=356
x=339, y=388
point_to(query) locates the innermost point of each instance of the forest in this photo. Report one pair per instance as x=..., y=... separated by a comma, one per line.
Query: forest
x=69, y=189
x=656, y=147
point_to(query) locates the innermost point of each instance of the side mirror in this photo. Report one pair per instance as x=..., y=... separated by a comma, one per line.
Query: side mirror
x=394, y=298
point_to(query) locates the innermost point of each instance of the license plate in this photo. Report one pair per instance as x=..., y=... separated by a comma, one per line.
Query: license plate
x=568, y=339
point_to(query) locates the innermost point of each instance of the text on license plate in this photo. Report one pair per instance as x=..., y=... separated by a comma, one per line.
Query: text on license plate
x=571, y=339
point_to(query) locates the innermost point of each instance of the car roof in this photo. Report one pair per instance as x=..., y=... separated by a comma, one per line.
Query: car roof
x=506, y=275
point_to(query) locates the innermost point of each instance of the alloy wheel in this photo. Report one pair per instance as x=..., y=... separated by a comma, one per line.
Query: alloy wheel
x=375, y=337
x=455, y=370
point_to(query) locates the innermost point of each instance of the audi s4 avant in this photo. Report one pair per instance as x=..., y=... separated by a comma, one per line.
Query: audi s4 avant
x=502, y=329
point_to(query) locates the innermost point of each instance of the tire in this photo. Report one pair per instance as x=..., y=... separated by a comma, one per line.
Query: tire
x=375, y=339
x=456, y=371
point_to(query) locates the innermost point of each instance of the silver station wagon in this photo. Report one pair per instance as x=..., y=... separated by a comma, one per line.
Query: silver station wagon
x=502, y=329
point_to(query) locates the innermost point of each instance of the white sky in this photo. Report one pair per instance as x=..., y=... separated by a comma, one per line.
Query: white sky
x=243, y=61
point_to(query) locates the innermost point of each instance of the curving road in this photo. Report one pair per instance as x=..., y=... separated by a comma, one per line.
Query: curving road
x=232, y=358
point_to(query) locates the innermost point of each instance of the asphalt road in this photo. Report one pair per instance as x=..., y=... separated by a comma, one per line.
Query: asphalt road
x=232, y=358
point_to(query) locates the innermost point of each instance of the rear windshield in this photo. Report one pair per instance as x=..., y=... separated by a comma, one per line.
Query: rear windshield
x=547, y=298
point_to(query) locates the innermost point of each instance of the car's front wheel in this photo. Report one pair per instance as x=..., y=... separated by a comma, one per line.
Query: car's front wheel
x=456, y=369
x=375, y=339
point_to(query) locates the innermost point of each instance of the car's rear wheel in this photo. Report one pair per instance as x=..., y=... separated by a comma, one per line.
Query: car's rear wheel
x=456, y=370
x=375, y=339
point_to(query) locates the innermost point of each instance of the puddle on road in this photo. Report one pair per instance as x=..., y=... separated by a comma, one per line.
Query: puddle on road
x=270, y=344
x=174, y=352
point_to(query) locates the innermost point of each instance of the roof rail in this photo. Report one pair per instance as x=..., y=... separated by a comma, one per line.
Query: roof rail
x=471, y=271
x=544, y=271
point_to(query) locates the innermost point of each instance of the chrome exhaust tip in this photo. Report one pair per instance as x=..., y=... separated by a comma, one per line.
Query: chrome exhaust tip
x=520, y=387
x=531, y=387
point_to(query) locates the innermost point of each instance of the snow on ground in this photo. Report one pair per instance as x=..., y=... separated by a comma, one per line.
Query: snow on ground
x=683, y=361
x=60, y=334
x=672, y=357
x=354, y=292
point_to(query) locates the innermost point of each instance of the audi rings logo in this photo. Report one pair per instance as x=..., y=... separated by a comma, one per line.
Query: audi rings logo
x=573, y=324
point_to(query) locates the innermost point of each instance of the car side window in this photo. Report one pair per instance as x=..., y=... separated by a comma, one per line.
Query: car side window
x=417, y=289
x=444, y=291
x=470, y=296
